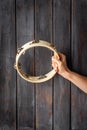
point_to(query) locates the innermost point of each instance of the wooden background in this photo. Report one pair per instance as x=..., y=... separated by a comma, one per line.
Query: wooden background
x=56, y=104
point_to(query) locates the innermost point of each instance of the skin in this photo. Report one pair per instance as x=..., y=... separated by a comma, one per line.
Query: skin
x=60, y=66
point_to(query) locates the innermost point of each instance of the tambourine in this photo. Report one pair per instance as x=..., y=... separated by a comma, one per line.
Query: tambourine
x=22, y=50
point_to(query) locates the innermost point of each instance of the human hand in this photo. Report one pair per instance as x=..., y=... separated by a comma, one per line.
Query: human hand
x=59, y=64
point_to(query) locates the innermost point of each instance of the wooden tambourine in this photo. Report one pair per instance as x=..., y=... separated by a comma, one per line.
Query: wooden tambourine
x=22, y=50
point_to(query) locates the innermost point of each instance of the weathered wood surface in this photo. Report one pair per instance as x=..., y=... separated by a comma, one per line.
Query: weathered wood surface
x=25, y=90
x=61, y=38
x=7, y=72
x=7, y=94
x=52, y=105
x=79, y=63
x=7, y=28
x=43, y=30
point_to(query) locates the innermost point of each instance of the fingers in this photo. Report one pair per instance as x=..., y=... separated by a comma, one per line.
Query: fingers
x=59, y=64
x=62, y=57
x=56, y=56
x=54, y=60
x=54, y=64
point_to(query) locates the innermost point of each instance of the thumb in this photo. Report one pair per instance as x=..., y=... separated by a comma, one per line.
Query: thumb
x=57, y=61
x=56, y=56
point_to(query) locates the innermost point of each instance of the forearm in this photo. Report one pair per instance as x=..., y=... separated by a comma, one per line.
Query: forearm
x=79, y=80
x=61, y=67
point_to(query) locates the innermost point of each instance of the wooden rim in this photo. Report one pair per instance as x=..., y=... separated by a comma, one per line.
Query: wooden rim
x=22, y=50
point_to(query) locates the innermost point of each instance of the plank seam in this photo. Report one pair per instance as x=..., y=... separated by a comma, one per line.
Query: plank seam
x=70, y=57
x=16, y=72
x=79, y=129
x=53, y=78
x=34, y=67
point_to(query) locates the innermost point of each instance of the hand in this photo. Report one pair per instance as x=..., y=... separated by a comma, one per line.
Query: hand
x=59, y=64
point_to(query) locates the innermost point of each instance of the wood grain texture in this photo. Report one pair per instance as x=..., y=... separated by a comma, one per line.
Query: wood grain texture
x=43, y=30
x=51, y=105
x=7, y=94
x=79, y=62
x=7, y=72
x=25, y=91
x=7, y=28
x=61, y=38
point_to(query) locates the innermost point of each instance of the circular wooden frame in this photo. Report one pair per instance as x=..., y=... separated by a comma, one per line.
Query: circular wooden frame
x=34, y=79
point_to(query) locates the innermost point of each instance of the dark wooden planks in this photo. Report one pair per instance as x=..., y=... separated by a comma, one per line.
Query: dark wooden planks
x=61, y=38
x=25, y=91
x=7, y=94
x=79, y=62
x=7, y=72
x=43, y=30
x=7, y=28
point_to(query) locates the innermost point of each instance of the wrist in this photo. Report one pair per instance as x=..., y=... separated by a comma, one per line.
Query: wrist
x=67, y=74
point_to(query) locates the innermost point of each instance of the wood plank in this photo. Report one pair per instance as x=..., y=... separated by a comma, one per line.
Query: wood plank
x=7, y=72
x=79, y=129
x=7, y=94
x=7, y=28
x=25, y=91
x=43, y=31
x=79, y=62
x=61, y=38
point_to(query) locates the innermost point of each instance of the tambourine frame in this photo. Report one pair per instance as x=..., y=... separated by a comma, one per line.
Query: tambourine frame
x=22, y=50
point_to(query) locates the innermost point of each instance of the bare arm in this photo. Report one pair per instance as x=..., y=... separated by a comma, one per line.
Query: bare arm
x=79, y=80
x=61, y=67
